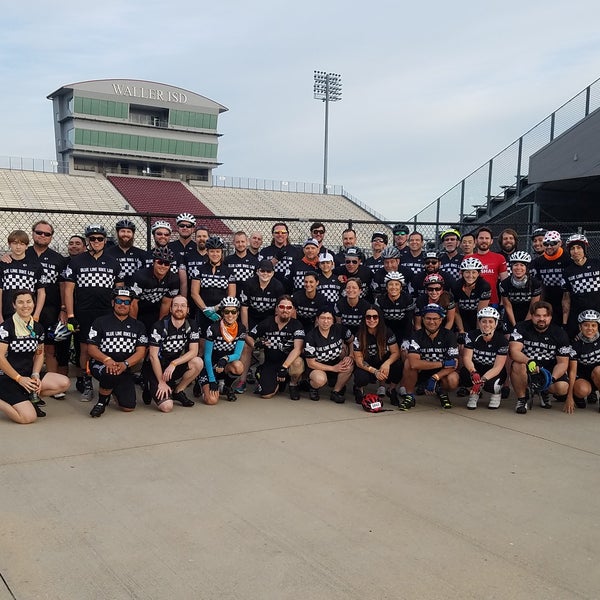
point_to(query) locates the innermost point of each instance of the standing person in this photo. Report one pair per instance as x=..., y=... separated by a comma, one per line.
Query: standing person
x=431, y=266
x=173, y=358
x=471, y=293
x=350, y=308
x=376, y=357
x=282, y=339
x=21, y=273
x=414, y=259
x=379, y=242
x=308, y=263
x=308, y=301
x=484, y=359
x=222, y=352
x=53, y=264
x=451, y=257
x=432, y=360
x=91, y=276
x=329, y=285
x=190, y=266
x=154, y=288
x=317, y=232
x=401, y=232
x=328, y=353
x=397, y=307
x=549, y=268
x=581, y=283
x=467, y=244
x=584, y=364
x=116, y=343
x=519, y=291
x=21, y=361
x=186, y=223
x=281, y=252
x=348, y=241
x=391, y=264
x=537, y=241
x=213, y=283
x=493, y=264
x=131, y=258
x=161, y=233
x=242, y=262
x=508, y=242
x=255, y=244
x=539, y=344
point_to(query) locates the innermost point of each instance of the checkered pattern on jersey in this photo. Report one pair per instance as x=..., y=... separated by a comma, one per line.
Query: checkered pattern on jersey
x=484, y=353
x=22, y=345
x=217, y=280
x=242, y=271
x=129, y=265
x=586, y=353
x=323, y=349
x=396, y=310
x=374, y=264
x=220, y=345
x=351, y=315
x=298, y=271
x=550, y=276
x=584, y=281
x=450, y=267
x=543, y=347
x=520, y=295
x=414, y=264
x=481, y=291
x=441, y=347
x=330, y=288
x=17, y=280
x=277, y=341
x=117, y=342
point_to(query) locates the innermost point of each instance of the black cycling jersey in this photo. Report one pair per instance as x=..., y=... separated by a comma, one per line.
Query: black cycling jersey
x=21, y=349
x=583, y=284
x=374, y=264
x=485, y=352
x=415, y=263
x=542, y=347
x=450, y=267
x=115, y=338
x=213, y=285
x=150, y=291
x=285, y=256
x=446, y=301
x=327, y=350
x=467, y=304
x=52, y=264
x=371, y=352
x=298, y=269
x=363, y=273
x=443, y=346
x=398, y=314
x=131, y=260
x=520, y=296
x=351, y=316
x=243, y=267
x=180, y=251
x=330, y=287
x=278, y=342
x=23, y=274
x=260, y=302
x=306, y=308
x=550, y=273
x=378, y=283
x=172, y=341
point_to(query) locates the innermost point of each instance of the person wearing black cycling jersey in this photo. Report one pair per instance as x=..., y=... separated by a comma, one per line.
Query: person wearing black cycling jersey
x=451, y=257
x=281, y=252
x=186, y=223
x=350, y=308
x=309, y=263
x=131, y=258
x=379, y=241
x=329, y=285
x=584, y=363
x=471, y=293
x=242, y=262
x=308, y=301
x=354, y=269
x=535, y=345
x=398, y=308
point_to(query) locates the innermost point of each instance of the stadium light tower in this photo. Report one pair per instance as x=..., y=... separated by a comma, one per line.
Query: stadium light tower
x=328, y=88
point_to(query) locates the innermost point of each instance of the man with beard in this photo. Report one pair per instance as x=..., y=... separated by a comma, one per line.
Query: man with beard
x=353, y=268
x=281, y=252
x=348, y=241
x=450, y=258
x=548, y=268
x=401, y=232
x=173, y=358
x=186, y=223
x=539, y=344
x=432, y=360
x=508, y=240
x=241, y=262
x=282, y=338
x=130, y=257
x=581, y=283
x=494, y=265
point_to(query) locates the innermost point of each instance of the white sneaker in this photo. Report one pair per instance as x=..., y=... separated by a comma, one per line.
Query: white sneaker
x=472, y=401
x=495, y=401
x=381, y=391
x=59, y=396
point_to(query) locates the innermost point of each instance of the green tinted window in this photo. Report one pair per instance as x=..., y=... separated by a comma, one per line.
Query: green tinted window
x=186, y=118
x=101, y=108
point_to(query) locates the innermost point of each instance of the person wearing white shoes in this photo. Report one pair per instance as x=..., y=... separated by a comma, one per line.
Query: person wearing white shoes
x=484, y=359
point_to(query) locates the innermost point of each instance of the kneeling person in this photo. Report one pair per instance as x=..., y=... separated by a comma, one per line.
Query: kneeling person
x=282, y=338
x=117, y=342
x=173, y=357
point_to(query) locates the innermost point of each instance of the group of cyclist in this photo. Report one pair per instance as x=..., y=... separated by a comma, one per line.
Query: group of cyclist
x=405, y=320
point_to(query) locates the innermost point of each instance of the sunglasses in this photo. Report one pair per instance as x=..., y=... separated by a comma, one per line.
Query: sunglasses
x=44, y=233
x=318, y=231
x=434, y=289
x=161, y=234
x=432, y=261
x=264, y=271
x=351, y=262
x=280, y=232
x=121, y=301
x=164, y=263
x=185, y=226
x=31, y=331
x=284, y=307
x=96, y=238
x=373, y=317
x=230, y=311
x=401, y=232
x=551, y=244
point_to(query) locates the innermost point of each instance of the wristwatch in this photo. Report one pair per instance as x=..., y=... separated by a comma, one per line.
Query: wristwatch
x=126, y=363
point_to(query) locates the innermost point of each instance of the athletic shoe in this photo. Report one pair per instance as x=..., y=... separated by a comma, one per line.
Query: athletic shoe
x=580, y=402
x=358, y=395
x=196, y=390
x=545, y=401
x=407, y=402
x=59, y=396
x=505, y=392
x=250, y=377
x=494, y=401
x=230, y=394
x=182, y=399
x=394, y=400
x=88, y=391
x=521, y=407
x=462, y=392
x=381, y=392
x=472, y=401
x=38, y=410
x=35, y=399
x=444, y=400
x=80, y=384
x=146, y=396
x=337, y=397
x=294, y=392
x=241, y=388
x=98, y=410
x=313, y=394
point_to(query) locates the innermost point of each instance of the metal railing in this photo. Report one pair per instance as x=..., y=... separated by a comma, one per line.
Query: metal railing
x=504, y=176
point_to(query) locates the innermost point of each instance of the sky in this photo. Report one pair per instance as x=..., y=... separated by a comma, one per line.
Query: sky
x=431, y=91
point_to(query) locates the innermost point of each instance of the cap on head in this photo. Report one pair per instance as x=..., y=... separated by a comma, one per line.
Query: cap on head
x=540, y=231
x=327, y=257
x=435, y=308
x=125, y=292
x=352, y=251
x=266, y=265
x=311, y=242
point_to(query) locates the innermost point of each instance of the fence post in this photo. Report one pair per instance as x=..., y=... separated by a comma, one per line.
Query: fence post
x=489, y=187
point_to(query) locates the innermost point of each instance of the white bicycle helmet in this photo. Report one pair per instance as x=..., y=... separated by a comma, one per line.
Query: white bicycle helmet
x=520, y=257
x=230, y=301
x=394, y=276
x=577, y=239
x=161, y=225
x=488, y=311
x=185, y=218
x=589, y=315
x=471, y=264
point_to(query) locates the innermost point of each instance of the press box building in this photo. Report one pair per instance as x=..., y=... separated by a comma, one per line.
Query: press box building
x=133, y=127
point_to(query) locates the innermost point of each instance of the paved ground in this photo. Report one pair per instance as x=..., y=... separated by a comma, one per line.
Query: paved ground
x=273, y=499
